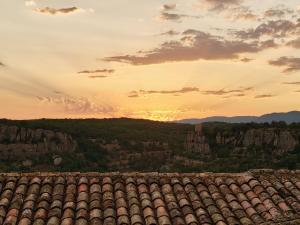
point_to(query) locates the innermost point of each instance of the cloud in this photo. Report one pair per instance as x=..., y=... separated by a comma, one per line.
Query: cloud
x=292, y=83
x=231, y=9
x=97, y=76
x=291, y=64
x=2, y=64
x=194, y=45
x=74, y=105
x=235, y=95
x=184, y=90
x=53, y=11
x=170, y=33
x=240, y=92
x=237, y=92
x=278, y=12
x=294, y=43
x=97, y=71
x=264, y=96
x=175, y=16
x=158, y=114
x=220, y=5
x=246, y=60
x=167, y=7
x=275, y=29
x=133, y=94
x=241, y=13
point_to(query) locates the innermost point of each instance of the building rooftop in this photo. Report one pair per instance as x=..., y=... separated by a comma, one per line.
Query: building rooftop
x=254, y=197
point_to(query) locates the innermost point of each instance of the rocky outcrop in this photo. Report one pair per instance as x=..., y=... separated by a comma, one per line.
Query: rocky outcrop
x=24, y=143
x=276, y=141
x=273, y=141
x=196, y=142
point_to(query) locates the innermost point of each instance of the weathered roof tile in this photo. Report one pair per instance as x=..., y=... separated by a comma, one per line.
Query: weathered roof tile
x=138, y=199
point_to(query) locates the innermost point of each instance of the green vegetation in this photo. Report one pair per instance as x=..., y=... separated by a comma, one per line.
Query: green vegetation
x=131, y=134
x=92, y=157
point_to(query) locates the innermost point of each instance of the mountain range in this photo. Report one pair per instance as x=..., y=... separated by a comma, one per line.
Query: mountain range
x=288, y=117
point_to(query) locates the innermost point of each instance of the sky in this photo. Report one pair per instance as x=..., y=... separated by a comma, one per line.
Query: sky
x=160, y=59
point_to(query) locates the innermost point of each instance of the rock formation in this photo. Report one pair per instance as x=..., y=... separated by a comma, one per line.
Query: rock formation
x=274, y=141
x=25, y=143
x=277, y=141
x=196, y=142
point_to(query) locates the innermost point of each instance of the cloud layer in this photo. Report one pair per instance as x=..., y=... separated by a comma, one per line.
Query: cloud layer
x=175, y=16
x=97, y=76
x=237, y=92
x=97, y=71
x=275, y=29
x=264, y=96
x=278, y=12
x=53, y=11
x=74, y=105
x=292, y=83
x=184, y=90
x=294, y=43
x=194, y=45
x=290, y=64
x=170, y=33
x=220, y=5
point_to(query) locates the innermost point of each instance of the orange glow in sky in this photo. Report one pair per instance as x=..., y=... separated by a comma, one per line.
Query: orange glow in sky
x=160, y=60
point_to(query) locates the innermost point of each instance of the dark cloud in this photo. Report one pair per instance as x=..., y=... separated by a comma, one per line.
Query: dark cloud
x=237, y=92
x=168, y=7
x=275, y=29
x=246, y=60
x=2, y=64
x=175, y=16
x=184, y=90
x=220, y=5
x=264, y=96
x=291, y=64
x=74, y=105
x=54, y=11
x=170, y=33
x=194, y=45
x=97, y=71
x=292, y=83
x=294, y=43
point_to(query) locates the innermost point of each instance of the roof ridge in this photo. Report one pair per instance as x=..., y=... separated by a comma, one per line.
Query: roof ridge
x=151, y=174
x=133, y=174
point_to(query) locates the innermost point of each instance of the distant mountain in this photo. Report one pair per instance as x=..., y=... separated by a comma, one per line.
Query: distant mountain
x=289, y=117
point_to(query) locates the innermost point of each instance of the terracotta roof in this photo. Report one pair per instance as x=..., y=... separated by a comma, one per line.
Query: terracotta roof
x=256, y=197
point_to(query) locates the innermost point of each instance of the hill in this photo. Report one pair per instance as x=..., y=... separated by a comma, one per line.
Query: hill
x=289, y=117
x=123, y=144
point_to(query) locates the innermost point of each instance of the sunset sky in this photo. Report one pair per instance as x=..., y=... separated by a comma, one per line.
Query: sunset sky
x=152, y=59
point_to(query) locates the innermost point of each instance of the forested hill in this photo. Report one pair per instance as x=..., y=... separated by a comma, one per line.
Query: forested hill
x=143, y=145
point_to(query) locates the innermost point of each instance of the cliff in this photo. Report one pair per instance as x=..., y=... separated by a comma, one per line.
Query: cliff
x=274, y=142
x=24, y=143
x=138, y=145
